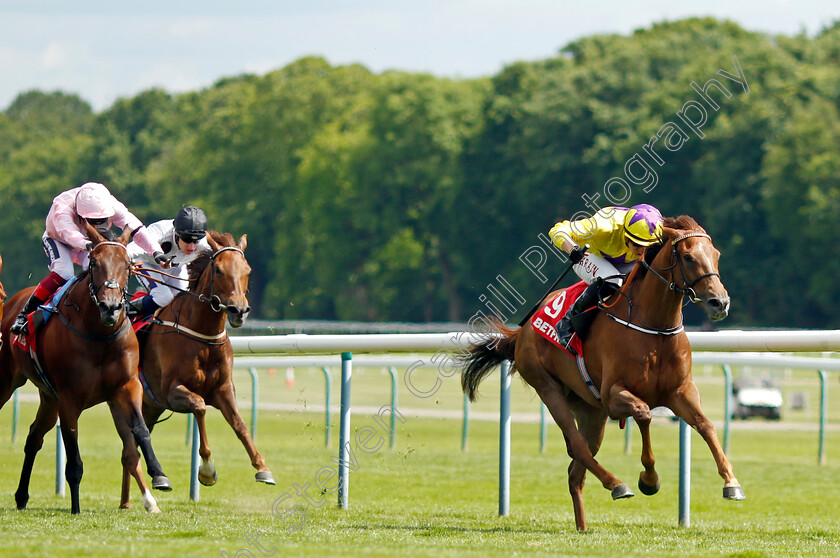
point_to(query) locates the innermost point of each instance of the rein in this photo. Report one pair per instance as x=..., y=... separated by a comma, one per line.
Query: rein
x=215, y=304
x=686, y=290
x=109, y=283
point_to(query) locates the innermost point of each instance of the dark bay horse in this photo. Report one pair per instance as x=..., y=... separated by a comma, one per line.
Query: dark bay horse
x=186, y=355
x=88, y=354
x=637, y=355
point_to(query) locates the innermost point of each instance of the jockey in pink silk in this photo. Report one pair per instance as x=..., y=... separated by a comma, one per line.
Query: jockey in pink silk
x=65, y=239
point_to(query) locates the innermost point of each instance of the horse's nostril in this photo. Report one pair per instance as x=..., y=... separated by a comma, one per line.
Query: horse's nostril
x=715, y=303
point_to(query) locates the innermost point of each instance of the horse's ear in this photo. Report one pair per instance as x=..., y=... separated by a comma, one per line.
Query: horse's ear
x=125, y=237
x=243, y=242
x=212, y=242
x=93, y=234
x=1, y=263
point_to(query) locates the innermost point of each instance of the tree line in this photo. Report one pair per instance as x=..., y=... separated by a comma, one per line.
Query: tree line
x=406, y=197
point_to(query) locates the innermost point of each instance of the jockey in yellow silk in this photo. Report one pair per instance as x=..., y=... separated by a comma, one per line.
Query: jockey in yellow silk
x=617, y=239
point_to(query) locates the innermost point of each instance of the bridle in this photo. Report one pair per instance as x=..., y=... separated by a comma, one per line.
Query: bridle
x=214, y=300
x=109, y=283
x=688, y=288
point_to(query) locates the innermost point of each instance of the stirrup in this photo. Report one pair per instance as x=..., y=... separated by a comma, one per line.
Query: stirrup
x=21, y=325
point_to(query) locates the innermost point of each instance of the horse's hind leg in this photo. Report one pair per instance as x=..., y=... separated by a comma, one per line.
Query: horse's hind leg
x=591, y=422
x=225, y=401
x=130, y=457
x=686, y=405
x=43, y=423
x=130, y=399
x=623, y=404
x=551, y=392
x=182, y=400
x=150, y=416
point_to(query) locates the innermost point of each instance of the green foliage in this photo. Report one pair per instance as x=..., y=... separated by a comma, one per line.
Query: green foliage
x=401, y=196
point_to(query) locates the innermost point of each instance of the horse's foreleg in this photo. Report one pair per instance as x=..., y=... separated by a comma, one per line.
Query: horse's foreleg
x=68, y=414
x=43, y=423
x=225, y=401
x=623, y=404
x=182, y=400
x=686, y=404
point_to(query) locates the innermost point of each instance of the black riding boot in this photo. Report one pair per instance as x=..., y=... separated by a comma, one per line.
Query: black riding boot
x=587, y=299
x=21, y=325
x=141, y=307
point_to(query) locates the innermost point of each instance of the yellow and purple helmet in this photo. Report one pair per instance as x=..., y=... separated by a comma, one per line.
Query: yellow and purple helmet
x=643, y=225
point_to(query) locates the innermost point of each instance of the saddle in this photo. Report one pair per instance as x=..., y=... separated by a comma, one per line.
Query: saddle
x=40, y=316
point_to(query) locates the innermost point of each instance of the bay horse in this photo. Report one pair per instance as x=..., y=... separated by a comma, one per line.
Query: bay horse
x=636, y=354
x=186, y=356
x=88, y=354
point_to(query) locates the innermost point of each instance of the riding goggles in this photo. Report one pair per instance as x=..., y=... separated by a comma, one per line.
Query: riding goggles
x=190, y=238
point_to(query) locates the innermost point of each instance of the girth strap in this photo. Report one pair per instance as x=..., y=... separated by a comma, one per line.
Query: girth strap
x=586, y=379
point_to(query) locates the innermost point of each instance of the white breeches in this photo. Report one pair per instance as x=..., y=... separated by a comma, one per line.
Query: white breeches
x=591, y=267
x=163, y=293
x=61, y=257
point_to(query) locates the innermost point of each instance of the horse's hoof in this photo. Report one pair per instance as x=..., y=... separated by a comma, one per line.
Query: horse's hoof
x=207, y=473
x=161, y=483
x=647, y=489
x=21, y=501
x=734, y=493
x=207, y=480
x=266, y=477
x=622, y=491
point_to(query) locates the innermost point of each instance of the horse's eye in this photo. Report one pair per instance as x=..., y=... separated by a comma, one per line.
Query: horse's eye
x=687, y=258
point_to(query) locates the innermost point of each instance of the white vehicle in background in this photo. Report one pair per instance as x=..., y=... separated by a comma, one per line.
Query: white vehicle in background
x=756, y=398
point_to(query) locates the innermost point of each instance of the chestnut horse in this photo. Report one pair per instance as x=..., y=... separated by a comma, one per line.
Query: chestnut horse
x=636, y=354
x=88, y=354
x=186, y=356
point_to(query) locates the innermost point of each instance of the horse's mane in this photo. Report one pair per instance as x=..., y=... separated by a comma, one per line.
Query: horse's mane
x=200, y=263
x=682, y=223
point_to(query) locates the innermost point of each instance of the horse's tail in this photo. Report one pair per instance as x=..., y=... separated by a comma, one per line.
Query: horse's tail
x=486, y=355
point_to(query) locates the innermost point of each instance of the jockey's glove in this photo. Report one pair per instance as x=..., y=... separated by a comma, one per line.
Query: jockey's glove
x=160, y=258
x=577, y=254
x=89, y=246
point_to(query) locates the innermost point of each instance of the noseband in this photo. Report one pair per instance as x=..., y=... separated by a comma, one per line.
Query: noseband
x=688, y=288
x=109, y=283
x=215, y=302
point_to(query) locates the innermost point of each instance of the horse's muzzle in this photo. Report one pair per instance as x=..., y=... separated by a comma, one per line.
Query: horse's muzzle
x=236, y=316
x=716, y=308
x=110, y=314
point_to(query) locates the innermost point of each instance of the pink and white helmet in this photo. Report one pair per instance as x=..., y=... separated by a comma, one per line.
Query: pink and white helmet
x=93, y=201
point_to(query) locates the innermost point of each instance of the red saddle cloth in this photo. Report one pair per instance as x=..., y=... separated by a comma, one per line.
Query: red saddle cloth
x=547, y=317
x=26, y=342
